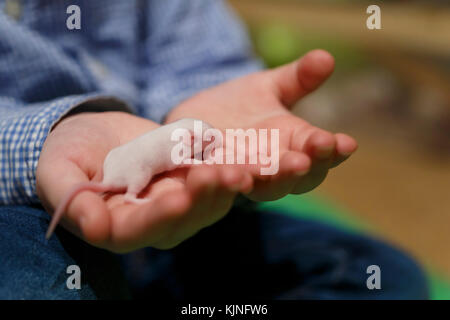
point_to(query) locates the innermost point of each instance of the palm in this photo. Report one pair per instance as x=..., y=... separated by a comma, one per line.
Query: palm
x=74, y=153
x=262, y=101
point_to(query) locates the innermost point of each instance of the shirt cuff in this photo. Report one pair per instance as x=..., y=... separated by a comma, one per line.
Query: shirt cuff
x=23, y=130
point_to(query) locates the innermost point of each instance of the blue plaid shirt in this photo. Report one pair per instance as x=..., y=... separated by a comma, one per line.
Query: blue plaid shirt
x=138, y=56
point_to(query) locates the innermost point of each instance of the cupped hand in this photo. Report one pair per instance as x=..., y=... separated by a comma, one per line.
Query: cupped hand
x=263, y=100
x=183, y=201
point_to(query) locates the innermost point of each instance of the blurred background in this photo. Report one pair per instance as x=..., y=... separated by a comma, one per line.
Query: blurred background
x=391, y=91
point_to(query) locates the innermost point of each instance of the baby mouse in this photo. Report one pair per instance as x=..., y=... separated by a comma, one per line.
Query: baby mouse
x=130, y=167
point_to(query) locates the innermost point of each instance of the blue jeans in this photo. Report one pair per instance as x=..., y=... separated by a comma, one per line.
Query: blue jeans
x=248, y=254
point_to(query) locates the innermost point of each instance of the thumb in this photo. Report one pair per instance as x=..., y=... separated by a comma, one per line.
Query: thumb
x=296, y=79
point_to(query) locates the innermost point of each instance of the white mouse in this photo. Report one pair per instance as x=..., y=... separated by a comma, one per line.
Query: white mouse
x=130, y=167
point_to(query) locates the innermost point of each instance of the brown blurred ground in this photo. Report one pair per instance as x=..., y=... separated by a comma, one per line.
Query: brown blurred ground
x=405, y=195
x=399, y=179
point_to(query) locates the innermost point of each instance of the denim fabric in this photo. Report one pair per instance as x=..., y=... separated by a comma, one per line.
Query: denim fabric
x=33, y=268
x=248, y=254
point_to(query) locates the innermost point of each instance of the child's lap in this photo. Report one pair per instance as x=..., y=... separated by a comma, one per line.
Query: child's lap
x=35, y=268
x=270, y=255
x=248, y=253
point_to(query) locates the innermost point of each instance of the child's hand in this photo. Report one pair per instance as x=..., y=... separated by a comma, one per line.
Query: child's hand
x=262, y=100
x=183, y=201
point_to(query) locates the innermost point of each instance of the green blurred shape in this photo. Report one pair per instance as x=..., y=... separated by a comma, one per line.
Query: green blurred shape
x=439, y=286
x=316, y=207
x=312, y=206
x=278, y=43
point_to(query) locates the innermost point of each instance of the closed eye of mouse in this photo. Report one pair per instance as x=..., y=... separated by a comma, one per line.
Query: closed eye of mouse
x=130, y=167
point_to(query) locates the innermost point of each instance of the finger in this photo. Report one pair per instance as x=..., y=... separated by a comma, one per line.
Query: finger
x=203, y=184
x=295, y=163
x=295, y=80
x=314, y=178
x=212, y=203
x=223, y=201
x=247, y=183
x=345, y=147
x=90, y=211
x=316, y=143
x=231, y=177
x=321, y=147
x=137, y=226
x=292, y=166
x=201, y=177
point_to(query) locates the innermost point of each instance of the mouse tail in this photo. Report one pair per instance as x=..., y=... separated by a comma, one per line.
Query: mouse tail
x=64, y=203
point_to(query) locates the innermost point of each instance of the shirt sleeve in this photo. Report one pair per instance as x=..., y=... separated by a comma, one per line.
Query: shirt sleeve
x=23, y=130
x=191, y=45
